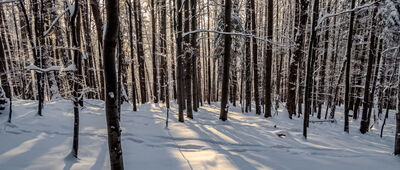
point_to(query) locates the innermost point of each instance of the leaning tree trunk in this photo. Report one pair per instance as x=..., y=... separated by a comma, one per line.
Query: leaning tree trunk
x=227, y=57
x=113, y=127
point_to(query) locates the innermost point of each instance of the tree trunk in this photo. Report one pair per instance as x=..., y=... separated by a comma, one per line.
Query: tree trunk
x=140, y=50
x=310, y=68
x=179, y=57
x=348, y=63
x=154, y=52
x=248, y=58
x=364, y=126
x=255, y=58
x=75, y=29
x=227, y=56
x=397, y=134
x=188, y=61
x=132, y=56
x=299, y=33
x=268, y=60
x=113, y=127
x=195, y=53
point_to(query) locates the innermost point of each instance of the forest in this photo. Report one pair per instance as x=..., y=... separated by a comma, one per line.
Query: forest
x=199, y=84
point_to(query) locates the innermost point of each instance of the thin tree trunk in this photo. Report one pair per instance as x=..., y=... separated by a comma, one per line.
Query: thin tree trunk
x=140, y=50
x=179, y=57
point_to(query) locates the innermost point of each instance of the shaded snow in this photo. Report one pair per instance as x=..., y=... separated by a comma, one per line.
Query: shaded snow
x=245, y=141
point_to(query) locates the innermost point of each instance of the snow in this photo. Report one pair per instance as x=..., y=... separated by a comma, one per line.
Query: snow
x=71, y=67
x=245, y=141
x=111, y=94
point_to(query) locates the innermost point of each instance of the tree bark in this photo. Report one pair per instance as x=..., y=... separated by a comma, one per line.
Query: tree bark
x=227, y=56
x=299, y=33
x=113, y=127
x=348, y=63
x=364, y=125
x=140, y=50
x=310, y=68
x=268, y=60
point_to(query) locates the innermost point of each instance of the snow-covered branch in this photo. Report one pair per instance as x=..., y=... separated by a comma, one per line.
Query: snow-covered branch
x=70, y=68
x=7, y=1
x=234, y=33
x=70, y=8
x=358, y=8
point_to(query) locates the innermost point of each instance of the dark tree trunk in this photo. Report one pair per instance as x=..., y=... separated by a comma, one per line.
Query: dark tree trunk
x=132, y=56
x=348, y=63
x=299, y=33
x=268, y=61
x=113, y=127
x=163, y=50
x=188, y=61
x=195, y=53
x=154, y=52
x=321, y=89
x=99, y=30
x=397, y=134
x=248, y=58
x=227, y=57
x=140, y=50
x=255, y=58
x=179, y=57
x=364, y=126
x=75, y=29
x=310, y=68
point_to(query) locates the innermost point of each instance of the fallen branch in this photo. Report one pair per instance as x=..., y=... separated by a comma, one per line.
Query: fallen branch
x=322, y=121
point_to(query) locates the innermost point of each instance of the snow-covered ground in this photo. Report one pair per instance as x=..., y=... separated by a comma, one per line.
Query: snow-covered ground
x=246, y=141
